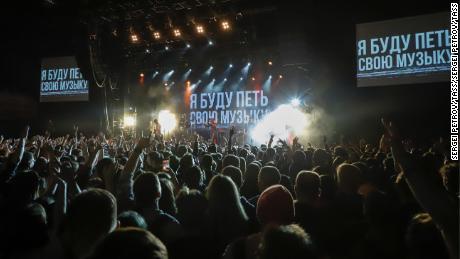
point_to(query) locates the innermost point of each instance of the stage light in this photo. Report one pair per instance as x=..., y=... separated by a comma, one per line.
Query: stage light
x=134, y=38
x=168, y=75
x=155, y=74
x=208, y=71
x=270, y=63
x=267, y=84
x=166, y=48
x=129, y=121
x=177, y=33
x=167, y=121
x=200, y=29
x=253, y=78
x=188, y=46
x=225, y=25
x=241, y=79
x=282, y=126
x=295, y=102
x=141, y=74
x=230, y=65
x=186, y=74
x=147, y=51
x=157, y=35
x=280, y=76
x=210, y=43
x=225, y=79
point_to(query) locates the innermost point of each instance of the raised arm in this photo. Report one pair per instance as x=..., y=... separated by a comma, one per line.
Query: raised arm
x=124, y=190
x=429, y=192
x=9, y=169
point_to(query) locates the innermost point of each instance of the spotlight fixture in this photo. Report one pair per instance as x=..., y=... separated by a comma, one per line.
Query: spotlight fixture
x=225, y=25
x=230, y=65
x=157, y=35
x=280, y=76
x=134, y=38
x=188, y=46
x=199, y=29
x=141, y=74
x=210, y=43
x=166, y=48
x=270, y=63
x=176, y=32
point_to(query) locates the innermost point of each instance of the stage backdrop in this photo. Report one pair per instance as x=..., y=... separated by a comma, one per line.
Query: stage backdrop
x=403, y=51
x=61, y=80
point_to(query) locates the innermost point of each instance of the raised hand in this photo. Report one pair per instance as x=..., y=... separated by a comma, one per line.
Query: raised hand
x=144, y=142
x=25, y=132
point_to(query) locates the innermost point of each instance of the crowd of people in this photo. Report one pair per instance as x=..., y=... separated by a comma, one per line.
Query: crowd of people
x=97, y=197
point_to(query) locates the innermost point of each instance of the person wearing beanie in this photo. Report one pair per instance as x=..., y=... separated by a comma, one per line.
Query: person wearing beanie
x=275, y=207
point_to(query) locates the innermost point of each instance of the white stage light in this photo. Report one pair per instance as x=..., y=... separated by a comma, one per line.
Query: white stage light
x=129, y=121
x=295, y=102
x=280, y=125
x=167, y=121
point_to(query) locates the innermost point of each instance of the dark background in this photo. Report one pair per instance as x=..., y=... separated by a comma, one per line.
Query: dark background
x=321, y=33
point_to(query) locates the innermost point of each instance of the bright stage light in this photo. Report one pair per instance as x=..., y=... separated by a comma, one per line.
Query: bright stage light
x=186, y=74
x=200, y=29
x=295, y=102
x=157, y=35
x=253, y=78
x=280, y=76
x=188, y=46
x=141, y=74
x=166, y=48
x=225, y=25
x=129, y=121
x=177, y=33
x=210, y=43
x=270, y=63
x=231, y=65
x=168, y=75
x=167, y=121
x=280, y=125
x=134, y=38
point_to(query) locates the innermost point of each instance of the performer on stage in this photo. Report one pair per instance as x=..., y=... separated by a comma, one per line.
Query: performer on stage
x=212, y=124
x=156, y=129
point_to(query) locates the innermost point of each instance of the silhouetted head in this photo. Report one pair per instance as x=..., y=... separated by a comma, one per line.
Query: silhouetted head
x=127, y=243
x=131, y=218
x=92, y=214
x=289, y=241
x=307, y=186
x=268, y=176
x=147, y=189
x=234, y=173
x=349, y=178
